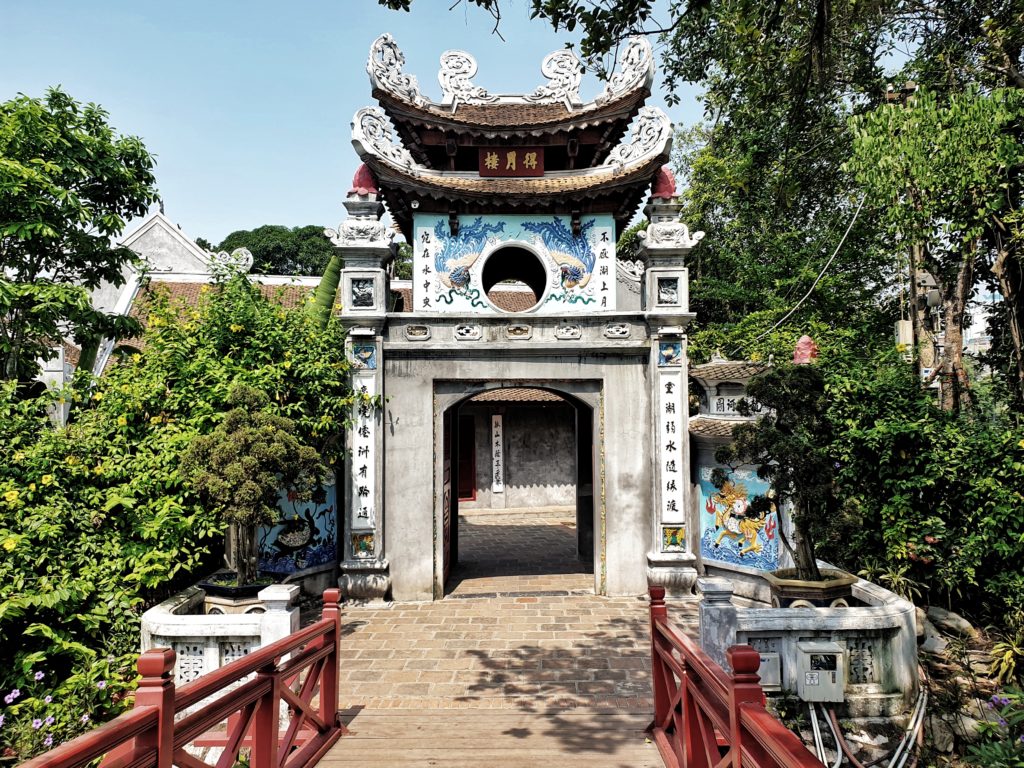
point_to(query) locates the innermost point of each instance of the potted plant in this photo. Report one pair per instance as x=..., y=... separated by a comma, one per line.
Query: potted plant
x=789, y=445
x=240, y=468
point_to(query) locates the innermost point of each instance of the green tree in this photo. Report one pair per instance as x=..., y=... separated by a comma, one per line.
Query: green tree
x=941, y=174
x=68, y=182
x=279, y=250
x=241, y=467
x=790, y=443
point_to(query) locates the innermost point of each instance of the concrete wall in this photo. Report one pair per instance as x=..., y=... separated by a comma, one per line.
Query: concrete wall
x=422, y=380
x=540, y=455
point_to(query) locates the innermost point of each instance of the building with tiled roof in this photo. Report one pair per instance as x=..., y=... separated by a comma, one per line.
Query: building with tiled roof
x=523, y=363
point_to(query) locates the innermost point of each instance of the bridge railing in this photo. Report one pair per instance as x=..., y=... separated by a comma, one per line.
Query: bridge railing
x=238, y=706
x=706, y=718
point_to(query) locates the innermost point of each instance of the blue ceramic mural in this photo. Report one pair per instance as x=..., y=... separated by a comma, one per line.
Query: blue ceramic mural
x=580, y=268
x=730, y=531
x=574, y=256
x=305, y=535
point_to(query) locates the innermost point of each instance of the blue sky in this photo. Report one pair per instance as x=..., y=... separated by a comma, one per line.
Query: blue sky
x=247, y=105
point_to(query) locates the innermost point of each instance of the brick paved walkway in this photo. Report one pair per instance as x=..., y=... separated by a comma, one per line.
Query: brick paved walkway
x=523, y=678
x=519, y=551
x=520, y=625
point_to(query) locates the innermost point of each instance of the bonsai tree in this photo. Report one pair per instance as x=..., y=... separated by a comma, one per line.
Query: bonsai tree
x=789, y=445
x=242, y=465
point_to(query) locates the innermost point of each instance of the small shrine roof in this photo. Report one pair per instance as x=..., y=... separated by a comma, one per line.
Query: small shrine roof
x=728, y=370
x=706, y=426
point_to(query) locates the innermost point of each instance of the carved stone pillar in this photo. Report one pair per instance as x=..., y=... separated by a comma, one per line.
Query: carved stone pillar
x=364, y=246
x=671, y=561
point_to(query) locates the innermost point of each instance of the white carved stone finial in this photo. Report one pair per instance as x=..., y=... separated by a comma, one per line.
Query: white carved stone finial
x=669, y=234
x=457, y=68
x=223, y=263
x=385, y=69
x=635, y=66
x=564, y=72
x=372, y=134
x=652, y=135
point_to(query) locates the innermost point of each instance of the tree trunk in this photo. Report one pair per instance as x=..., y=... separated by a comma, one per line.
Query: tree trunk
x=1011, y=285
x=953, y=376
x=243, y=555
x=806, y=562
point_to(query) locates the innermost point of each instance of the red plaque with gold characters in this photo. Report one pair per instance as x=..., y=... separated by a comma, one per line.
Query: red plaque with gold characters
x=512, y=161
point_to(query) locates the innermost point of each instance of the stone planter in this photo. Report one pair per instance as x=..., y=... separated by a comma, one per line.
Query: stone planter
x=833, y=591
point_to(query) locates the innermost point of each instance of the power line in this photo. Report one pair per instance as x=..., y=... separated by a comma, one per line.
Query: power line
x=821, y=274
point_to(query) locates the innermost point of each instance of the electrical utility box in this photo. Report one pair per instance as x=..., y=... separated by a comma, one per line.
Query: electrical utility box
x=821, y=671
x=770, y=672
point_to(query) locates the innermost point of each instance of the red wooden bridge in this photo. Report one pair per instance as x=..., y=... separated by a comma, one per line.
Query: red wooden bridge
x=280, y=706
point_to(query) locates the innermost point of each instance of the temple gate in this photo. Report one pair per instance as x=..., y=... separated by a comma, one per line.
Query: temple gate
x=513, y=205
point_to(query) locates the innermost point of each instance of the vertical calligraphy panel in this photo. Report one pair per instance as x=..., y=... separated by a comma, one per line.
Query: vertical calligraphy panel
x=497, y=455
x=362, y=509
x=671, y=427
x=604, y=266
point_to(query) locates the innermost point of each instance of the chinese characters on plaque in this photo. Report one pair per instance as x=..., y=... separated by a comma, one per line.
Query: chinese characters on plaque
x=362, y=480
x=497, y=456
x=511, y=161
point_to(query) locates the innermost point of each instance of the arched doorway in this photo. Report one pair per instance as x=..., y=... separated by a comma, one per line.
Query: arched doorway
x=518, y=499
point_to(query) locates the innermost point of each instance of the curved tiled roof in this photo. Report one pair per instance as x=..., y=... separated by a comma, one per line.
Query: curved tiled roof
x=709, y=427
x=728, y=370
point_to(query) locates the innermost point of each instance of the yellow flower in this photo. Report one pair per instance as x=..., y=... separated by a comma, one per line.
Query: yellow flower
x=71, y=460
x=235, y=327
x=136, y=357
x=46, y=479
x=98, y=469
x=11, y=496
x=122, y=421
x=10, y=543
x=205, y=289
x=287, y=363
x=19, y=455
x=97, y=395
x=31, y=486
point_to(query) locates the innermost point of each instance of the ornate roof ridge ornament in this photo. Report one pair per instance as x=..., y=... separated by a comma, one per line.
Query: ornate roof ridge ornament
x=457, y=69
x=564, y=72
x=372, y=134
x=239, y=261
x=634, y=66
x=384, y=66
x=652, y=131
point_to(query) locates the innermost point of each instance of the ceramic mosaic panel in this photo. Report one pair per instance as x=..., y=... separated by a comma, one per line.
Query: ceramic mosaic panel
x=362, y=545
x=305, y=534
x=580, y=270
x=729, y=532
x=673, y=538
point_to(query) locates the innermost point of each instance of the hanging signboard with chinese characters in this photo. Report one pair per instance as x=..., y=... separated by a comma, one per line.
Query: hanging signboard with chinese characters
x=497, y=456
x=511, y=161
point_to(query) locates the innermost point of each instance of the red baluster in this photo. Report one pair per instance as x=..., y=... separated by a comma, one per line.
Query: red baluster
x=744, y=688
x=156, y=689
x=329, y=679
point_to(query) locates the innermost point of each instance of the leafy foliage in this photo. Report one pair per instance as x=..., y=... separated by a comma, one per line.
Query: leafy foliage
x=279, y=250
x=240, y=468
x=68, y=182
x=789, y=443
x=99, y=519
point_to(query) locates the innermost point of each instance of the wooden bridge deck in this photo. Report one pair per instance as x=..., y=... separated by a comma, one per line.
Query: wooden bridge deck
x=470, y=738
x=515, y=667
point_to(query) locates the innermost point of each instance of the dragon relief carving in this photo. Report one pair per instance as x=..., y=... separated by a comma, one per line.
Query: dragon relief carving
x=372, y=131
x=651, y=132
x=635, y=65
x=564, y=72
x=358, y=231
x=385, y=69
x=673, y=234
x=457, y=69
